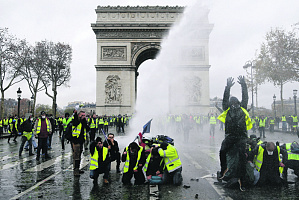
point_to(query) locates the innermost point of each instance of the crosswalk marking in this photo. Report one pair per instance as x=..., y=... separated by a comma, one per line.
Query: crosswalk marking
x=48, y=163
x=15, y=163
x=45, y=180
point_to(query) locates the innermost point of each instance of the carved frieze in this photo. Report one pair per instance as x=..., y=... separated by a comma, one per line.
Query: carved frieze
x=137, y=45
x=111, y=34
x=193, y=53
x=113, y=53
x=142, y=14
x=113, y=90
x=193, y=89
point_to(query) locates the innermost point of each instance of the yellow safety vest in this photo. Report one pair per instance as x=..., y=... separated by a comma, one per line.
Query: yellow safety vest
x=28, y=135
x=127, y=163
x=106, y=123
x=213, y=120
x=222, y=118
x=262, y=123
x=295, y=119
x=171, y=158
x=178, y=119
x=272, y=121
x=5, y=122
x=93, y=124
x=283, y=119
x=260, y=157
x=145, y=167
x=39, y=124
x=291, y=156
x=101, y=121
x=77, y=130
x=94, y=163
x=66, y=122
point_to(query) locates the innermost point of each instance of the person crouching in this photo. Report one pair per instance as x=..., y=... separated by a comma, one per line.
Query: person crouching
x=134, y=159
x=99, y=161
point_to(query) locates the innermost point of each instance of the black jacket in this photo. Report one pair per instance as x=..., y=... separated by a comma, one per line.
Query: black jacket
x=76, y=122
x=133, y=159
x=235, y=118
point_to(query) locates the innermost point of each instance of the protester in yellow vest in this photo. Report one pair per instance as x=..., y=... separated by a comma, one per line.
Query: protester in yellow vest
x=93, y=124
x=1, y=126
x=5, y=124
x=26, y=128
x=237, y=122
x=290, y=158
x=99, y=161
x=79, y=130
x=212, y=125
x=262, y=125
x=12, y=130
x=173, y=172
x=268, y=163
x=134, y=159
x=42, y=129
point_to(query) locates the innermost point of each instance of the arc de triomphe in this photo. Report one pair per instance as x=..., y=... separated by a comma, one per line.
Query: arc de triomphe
x=126, y=37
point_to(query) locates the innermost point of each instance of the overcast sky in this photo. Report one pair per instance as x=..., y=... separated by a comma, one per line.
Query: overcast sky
x=239, y=29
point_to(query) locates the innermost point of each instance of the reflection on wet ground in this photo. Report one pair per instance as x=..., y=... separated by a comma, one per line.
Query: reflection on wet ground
x=26, y=178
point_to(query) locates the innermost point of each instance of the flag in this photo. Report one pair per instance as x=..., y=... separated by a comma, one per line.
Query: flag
x=147, y=127
x=105, y=135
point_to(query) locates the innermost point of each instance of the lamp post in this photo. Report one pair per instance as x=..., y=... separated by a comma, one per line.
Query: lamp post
x=250, y=64
x=19, y=92
x=274, y=98
x=32, y=98
x=295, y=96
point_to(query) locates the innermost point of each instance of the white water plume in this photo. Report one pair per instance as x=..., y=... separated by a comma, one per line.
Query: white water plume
x=161, y=82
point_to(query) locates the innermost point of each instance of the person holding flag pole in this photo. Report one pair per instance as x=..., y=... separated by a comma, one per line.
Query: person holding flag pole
x=146, y=129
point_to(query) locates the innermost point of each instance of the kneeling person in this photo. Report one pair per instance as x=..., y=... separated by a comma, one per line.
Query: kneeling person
x=134, y=159
x=112, y=145
x=99, y=161
x=173, y=164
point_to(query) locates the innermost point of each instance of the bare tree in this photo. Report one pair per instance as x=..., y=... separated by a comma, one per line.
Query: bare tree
x=13, y=53
x=276, y=61
x=34, y=70
x=58, y=72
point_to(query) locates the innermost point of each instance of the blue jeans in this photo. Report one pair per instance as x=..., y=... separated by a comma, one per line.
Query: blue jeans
x=176, y=177
x=33, y=143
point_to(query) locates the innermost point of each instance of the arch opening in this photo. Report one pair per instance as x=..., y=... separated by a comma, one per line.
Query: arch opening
x=147, y=54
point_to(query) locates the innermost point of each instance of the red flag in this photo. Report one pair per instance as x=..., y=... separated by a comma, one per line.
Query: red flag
x=140, y=140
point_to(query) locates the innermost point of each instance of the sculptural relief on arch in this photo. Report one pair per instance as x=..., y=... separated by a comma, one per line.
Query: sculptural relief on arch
x=126, y=37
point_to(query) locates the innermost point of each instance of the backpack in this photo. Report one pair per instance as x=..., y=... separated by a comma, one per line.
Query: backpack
x=163, y=138
x=69, y=132
x=26, y=126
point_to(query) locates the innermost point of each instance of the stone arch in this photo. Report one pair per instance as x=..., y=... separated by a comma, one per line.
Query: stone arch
x=126, y=37
x=145, y=52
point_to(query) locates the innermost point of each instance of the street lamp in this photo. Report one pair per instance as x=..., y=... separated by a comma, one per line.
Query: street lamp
x=19, y=92
x=295, y=93
x=32, y=98
x=250, y=64
x=274, y=98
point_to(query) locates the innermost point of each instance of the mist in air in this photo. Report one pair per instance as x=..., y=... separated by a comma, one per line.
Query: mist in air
x=160, y=76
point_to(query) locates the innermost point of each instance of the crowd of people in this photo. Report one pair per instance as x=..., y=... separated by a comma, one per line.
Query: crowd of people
x=149, y=160
x=249, y=161
x=244, y=161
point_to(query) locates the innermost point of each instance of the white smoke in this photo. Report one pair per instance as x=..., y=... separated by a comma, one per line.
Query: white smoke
x=156, y=77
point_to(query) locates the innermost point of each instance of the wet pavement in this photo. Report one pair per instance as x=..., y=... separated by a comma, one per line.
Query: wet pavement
x=26, y=178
